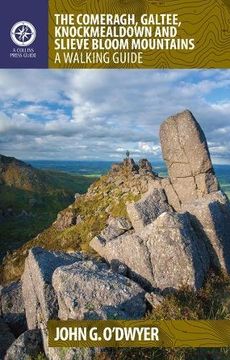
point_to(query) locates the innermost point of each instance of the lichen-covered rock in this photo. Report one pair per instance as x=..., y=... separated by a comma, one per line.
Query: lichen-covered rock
x=129, y=250
x=177, y=256
x=148, y=208
x=211, y=217
x=28, y=345
x=115, y=228
x=67, y=218
x=186, y=153
x=119, y=223
x=171, y=194
x=12, y=307
x=89, y=290
x=6, y=338
x=39, y=296
x=165, y=254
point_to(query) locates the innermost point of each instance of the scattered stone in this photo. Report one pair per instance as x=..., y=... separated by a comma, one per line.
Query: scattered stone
x=115, y=228
x=120, y=223
x=76, y=196
x=67, y=218
x=211, y=218
x=89, y=290
x=39, y=297
x=6, y=338
x=12, y=307
x=186, y=153
x=154, y=299
x=27, y=345
x=148, y=208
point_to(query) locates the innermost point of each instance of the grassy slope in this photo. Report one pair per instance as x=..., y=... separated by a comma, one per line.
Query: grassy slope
x=92, y=209
x=43, y=207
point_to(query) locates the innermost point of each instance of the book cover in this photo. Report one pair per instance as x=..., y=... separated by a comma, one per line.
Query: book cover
x=115, y=180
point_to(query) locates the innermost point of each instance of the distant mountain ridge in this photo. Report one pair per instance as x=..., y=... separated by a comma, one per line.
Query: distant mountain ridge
x=18, y=174
x=30, y=199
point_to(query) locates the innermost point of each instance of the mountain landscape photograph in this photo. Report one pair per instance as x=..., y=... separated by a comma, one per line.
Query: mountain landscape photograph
x=114, y=204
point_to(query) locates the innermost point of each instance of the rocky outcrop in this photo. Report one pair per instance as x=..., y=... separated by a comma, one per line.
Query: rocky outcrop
x=67, y=218
x=181, y=225
x=148, y=208
x=142, y=168
x=186, y=154
x=169, y=234
x=12, y=307
x=39, y=296
x=89, y=290
x=145, y=167
x=152, y=254
x=28, y=345
x=56, y=285
x=211, y=217
x=129, y=250
x=115, y=228
x=177, y=256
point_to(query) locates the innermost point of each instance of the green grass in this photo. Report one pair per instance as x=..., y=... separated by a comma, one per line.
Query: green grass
x=94, y=210
x=41, y=206
x=211, y=302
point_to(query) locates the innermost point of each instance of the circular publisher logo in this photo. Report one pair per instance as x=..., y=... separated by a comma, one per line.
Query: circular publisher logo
x=23, y=33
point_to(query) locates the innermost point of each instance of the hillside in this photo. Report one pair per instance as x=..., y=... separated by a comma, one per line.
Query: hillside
x=106, y=196
x=30, y=199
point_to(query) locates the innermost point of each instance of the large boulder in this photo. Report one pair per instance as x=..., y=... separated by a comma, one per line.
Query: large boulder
x=89, y=290
x=39, y=296
x=177, y=256
x=130, y=250
x=165, y=254
x=211, y=218
x=28, y=345
x=12, y=307
x=148, y=208
x=186, y=153
x=58, y=285
x=6, y=338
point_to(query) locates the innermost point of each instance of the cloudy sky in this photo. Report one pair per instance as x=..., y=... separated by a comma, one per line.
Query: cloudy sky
x=98, y=114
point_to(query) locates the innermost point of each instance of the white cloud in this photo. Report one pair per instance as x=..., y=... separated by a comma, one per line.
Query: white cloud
x=102, y=113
